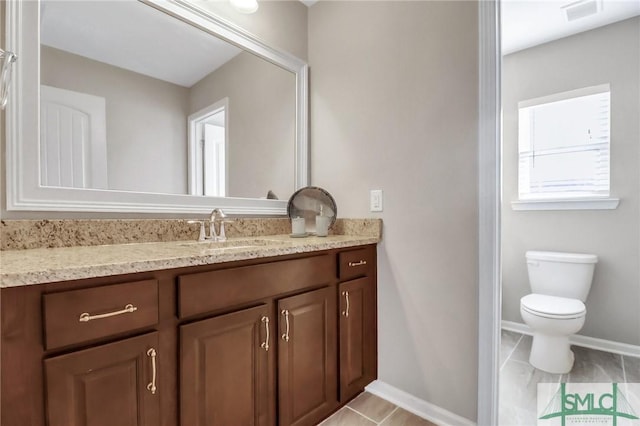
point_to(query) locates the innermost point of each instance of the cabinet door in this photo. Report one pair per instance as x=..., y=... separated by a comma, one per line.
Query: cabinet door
x=307, y=371
x=106, y=385
x=357, y=336
x=225, y=370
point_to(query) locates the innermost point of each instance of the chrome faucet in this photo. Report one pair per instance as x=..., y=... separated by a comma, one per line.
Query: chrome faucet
x=217, y=215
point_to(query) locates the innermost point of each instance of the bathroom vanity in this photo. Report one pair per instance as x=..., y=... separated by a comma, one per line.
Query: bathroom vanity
x=284, y=339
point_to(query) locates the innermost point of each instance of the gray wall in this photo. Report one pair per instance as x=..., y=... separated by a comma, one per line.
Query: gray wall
x=262, y=111
x=146, y=120
x=609, y=54
x=394, y=107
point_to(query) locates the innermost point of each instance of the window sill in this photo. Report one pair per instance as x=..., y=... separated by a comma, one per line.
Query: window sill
x=567, y=204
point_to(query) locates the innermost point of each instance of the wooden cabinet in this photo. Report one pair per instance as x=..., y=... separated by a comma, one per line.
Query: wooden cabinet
x=83, y=315
x=307, y=370
x=210, y=291
x=263, y=342
x=105, y=385
x=227, y=364
x=226, y=370
x=357, y=336
x=356, y=263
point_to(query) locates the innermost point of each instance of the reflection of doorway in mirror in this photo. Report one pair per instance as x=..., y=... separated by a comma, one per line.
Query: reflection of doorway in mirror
x=208, y=139
x=213, y=155
x=73, y=140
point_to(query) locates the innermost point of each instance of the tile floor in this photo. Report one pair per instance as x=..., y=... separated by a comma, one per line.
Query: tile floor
x=369, y=410
x=518, y=379
x=518, y=386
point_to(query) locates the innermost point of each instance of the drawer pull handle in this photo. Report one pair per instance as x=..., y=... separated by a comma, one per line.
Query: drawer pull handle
x=265, y=344
x=358, y=263
x=86, y=317
x=285, y=336
x=152, y=386
x=346, y=297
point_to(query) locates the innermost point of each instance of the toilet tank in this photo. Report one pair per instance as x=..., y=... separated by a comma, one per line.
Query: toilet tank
x=561, y=274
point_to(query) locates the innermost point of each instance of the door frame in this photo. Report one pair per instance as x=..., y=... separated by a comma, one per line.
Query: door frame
x=489, y=179
x=194, y=161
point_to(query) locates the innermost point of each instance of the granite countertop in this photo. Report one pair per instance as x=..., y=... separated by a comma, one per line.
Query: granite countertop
x=44, y=265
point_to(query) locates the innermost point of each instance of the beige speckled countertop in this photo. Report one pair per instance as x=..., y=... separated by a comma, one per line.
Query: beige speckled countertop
x=43, y=265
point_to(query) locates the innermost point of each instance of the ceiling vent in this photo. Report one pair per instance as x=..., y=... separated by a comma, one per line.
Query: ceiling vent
x=581, y=9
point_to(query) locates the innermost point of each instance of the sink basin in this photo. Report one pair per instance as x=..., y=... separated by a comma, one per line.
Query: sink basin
x=231, y=244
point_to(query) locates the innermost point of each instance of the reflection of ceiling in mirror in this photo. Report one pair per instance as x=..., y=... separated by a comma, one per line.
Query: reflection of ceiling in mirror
x=530, y=23
x=116, y=32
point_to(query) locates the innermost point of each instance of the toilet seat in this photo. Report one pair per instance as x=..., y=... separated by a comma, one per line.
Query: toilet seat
x=555, y=307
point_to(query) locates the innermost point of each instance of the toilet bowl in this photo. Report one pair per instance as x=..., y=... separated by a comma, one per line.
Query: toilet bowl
x=555, y=310
x=554, y=320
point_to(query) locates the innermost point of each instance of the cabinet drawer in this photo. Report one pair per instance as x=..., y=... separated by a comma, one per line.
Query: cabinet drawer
x=356, y=263
x=82, y=315
x=209, y=291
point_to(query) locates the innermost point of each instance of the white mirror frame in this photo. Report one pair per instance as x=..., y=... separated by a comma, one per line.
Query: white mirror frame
x=23, y=188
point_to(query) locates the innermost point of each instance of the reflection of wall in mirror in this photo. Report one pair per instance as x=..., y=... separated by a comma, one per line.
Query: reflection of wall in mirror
x=261, y=123
x=610, y=54
x=146, y=124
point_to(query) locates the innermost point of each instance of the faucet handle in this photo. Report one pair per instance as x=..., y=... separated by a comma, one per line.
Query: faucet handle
x=201, y=236
x=221, y=235
x=212, y=231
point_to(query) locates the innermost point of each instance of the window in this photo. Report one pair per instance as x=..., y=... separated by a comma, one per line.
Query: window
x=563, y=145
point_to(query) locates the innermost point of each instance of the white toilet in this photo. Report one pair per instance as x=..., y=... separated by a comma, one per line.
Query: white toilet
x=560, y=283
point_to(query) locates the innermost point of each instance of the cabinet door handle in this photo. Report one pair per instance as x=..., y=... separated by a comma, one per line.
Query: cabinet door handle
x=346, y=297
x=265, y=344
x=285, y=336
x=358, y=263
x=86, y=317
x=152, y=386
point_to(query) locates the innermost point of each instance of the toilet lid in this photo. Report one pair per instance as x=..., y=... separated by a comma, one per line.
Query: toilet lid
x=552, y=306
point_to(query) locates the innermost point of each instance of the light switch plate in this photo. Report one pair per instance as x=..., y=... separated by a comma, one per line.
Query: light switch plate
x=375, y=200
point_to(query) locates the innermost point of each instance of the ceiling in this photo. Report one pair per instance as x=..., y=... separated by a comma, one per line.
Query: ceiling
x=527, y=23
x=134, y=36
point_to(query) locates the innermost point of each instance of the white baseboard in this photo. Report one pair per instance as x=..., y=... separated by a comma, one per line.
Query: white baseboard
x=417, y=406
x=580, y=340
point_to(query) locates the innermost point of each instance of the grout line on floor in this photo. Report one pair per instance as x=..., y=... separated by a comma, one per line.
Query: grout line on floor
x=522, y=362
x=512, y=351
x=359, y=413
x=388, y=415
x=566, y=377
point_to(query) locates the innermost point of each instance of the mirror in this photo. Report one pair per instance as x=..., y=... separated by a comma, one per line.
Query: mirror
x=152, y=106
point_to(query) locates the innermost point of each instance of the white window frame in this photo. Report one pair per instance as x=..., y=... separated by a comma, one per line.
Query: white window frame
x=575, y=202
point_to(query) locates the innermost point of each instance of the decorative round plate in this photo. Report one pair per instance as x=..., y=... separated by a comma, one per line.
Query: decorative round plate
x=309, y=202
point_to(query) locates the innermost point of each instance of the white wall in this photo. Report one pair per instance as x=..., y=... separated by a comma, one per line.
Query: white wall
x=610, y=54
x=394, y=107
